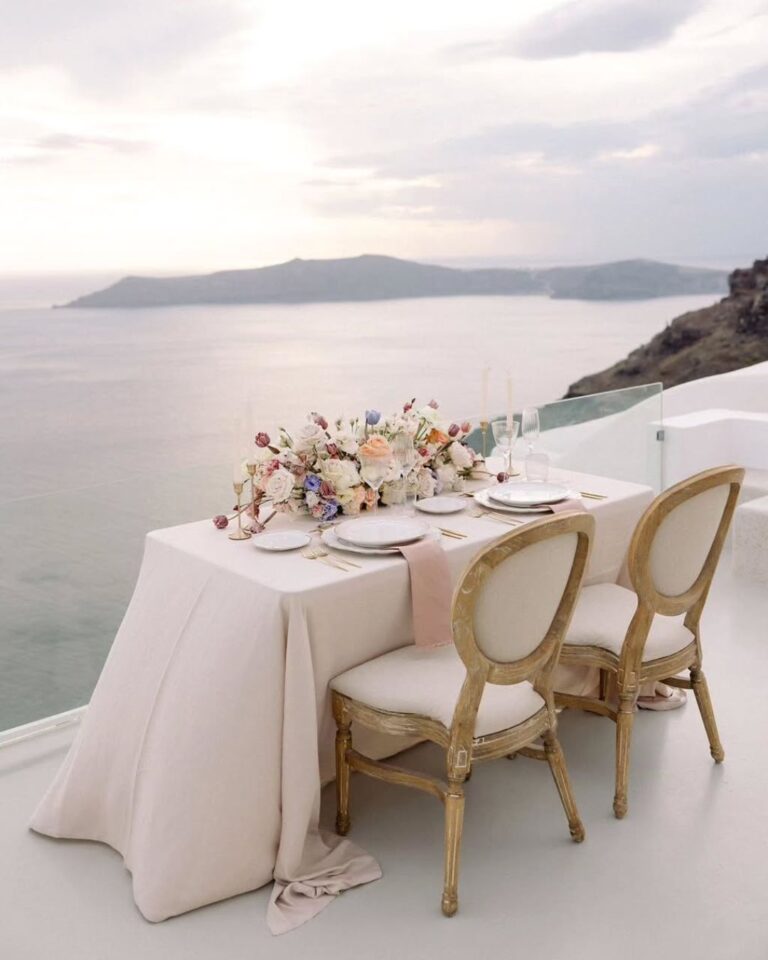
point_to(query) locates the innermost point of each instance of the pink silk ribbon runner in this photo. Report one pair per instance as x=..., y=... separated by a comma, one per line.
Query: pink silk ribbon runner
x=431, y=593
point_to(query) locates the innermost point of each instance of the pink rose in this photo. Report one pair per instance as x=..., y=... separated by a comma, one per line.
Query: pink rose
x=320, y=420
x=326, y=490
x=466, y=427
x=333, y=450
x=453, y=430
x=434, y=404
x=262, y=439
x=220, y=522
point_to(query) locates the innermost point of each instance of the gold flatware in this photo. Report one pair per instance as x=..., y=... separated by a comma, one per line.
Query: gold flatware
x=322, y=552
x=310, y=554
x=593, y=496
x=487, y=515
x=455, y=534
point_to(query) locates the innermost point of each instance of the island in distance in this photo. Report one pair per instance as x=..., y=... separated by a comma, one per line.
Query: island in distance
x=372, y=277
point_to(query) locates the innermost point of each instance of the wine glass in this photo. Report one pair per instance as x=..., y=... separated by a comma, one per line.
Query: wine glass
x=374, y=472
x=531, y=426
x=405, y=456
x=505, y=434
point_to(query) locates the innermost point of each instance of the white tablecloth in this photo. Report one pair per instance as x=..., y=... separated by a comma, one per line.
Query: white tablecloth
x=209, y=733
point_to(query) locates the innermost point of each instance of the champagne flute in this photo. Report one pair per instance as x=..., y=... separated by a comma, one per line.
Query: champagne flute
x=536, y=464
x=504, y=435
x=374, y=472
x=531, y=426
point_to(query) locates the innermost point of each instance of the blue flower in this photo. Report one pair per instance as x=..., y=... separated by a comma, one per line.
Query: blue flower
x=330, y=509
x=312, y=482
x=372, y=417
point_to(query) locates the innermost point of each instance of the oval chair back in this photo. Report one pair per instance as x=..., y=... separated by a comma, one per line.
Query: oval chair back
x=677, y=544
x=512, y=606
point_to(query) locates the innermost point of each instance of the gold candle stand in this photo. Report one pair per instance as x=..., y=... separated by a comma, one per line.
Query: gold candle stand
x=484, y=424
x=239, y=534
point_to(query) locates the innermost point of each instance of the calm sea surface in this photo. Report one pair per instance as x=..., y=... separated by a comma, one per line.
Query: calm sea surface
x=116, y=422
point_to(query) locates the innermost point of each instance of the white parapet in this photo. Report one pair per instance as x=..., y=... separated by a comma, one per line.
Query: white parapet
x=750, y=540
x=710, y=438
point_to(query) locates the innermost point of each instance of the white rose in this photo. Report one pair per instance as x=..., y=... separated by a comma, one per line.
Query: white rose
x=279, y=486
x=308, y=437
x=352, y=476
x=426, y=483
x=460, y=455
x=288, y=458
x=446, y=475
x=337, y=473
x=351, y=500
x=429, y=414
x=393, y=493
x=346, y=441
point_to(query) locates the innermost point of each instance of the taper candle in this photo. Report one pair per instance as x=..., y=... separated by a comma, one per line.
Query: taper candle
x=510, y=404
x=484, y=384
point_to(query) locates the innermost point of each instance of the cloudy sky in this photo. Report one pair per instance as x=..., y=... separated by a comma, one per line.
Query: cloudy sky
x=167, y=136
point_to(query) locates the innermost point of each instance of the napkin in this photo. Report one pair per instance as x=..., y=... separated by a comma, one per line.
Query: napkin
x=431, y=592
x=566, y=505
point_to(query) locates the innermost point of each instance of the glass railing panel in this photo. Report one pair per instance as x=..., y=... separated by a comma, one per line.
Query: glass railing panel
x=616, y=434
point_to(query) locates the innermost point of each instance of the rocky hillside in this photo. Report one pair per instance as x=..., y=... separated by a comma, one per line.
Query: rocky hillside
x=730, y=334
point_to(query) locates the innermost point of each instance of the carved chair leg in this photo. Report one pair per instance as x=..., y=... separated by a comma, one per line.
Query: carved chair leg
x=701, y=691
x=343, y=743
x=624, y=722
x=454, y=825
x=556, y=761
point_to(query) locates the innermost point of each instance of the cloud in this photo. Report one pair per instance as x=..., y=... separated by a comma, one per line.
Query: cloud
x=599, y=26
x=108, y=46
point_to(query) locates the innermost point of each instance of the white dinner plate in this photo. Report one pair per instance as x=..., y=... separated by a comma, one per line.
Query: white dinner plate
x=524, y=493
x=441, y=505
x=280, y=540
x=381, y=531
x=484, y=500
x=330, y=539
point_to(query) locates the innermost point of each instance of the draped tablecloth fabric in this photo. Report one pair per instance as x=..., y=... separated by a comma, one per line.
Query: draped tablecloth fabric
x=209, y=734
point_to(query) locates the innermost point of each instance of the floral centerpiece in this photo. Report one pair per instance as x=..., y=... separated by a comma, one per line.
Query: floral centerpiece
x=318, y=468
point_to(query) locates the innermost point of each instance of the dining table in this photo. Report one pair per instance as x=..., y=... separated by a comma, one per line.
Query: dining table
x=209, y=735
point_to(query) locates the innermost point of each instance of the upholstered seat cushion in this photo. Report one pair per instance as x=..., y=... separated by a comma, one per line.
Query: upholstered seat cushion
x=603, y=613
x=427, y=682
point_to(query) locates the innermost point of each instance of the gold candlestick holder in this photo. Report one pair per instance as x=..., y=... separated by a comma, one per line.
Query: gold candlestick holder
x=239, y=534
x=484, y=424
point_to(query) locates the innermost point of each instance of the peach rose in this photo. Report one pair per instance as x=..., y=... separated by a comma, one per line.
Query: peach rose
x=376, y=448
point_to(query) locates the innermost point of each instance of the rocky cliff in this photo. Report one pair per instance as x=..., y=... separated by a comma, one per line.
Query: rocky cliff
x=730, y=334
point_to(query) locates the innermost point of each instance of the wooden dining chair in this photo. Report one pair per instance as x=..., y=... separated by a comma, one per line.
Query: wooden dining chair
x=652, y=632
x=487, y=696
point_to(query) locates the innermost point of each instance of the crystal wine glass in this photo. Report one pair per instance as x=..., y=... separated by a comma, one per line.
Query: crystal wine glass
x=374, y=472
x=504, y=435
x=405, y=456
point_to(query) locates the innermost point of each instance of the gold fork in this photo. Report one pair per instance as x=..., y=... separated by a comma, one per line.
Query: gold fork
x=454, y=534
x=310, y=554
x=485, y=514
x=593, y=496
x=322, y=552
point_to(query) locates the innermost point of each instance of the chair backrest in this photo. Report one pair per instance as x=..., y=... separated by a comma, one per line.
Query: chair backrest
x=512, y=606
x=676, y=545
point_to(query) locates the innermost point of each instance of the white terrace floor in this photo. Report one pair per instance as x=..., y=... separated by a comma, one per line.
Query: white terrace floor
x=685, y=875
